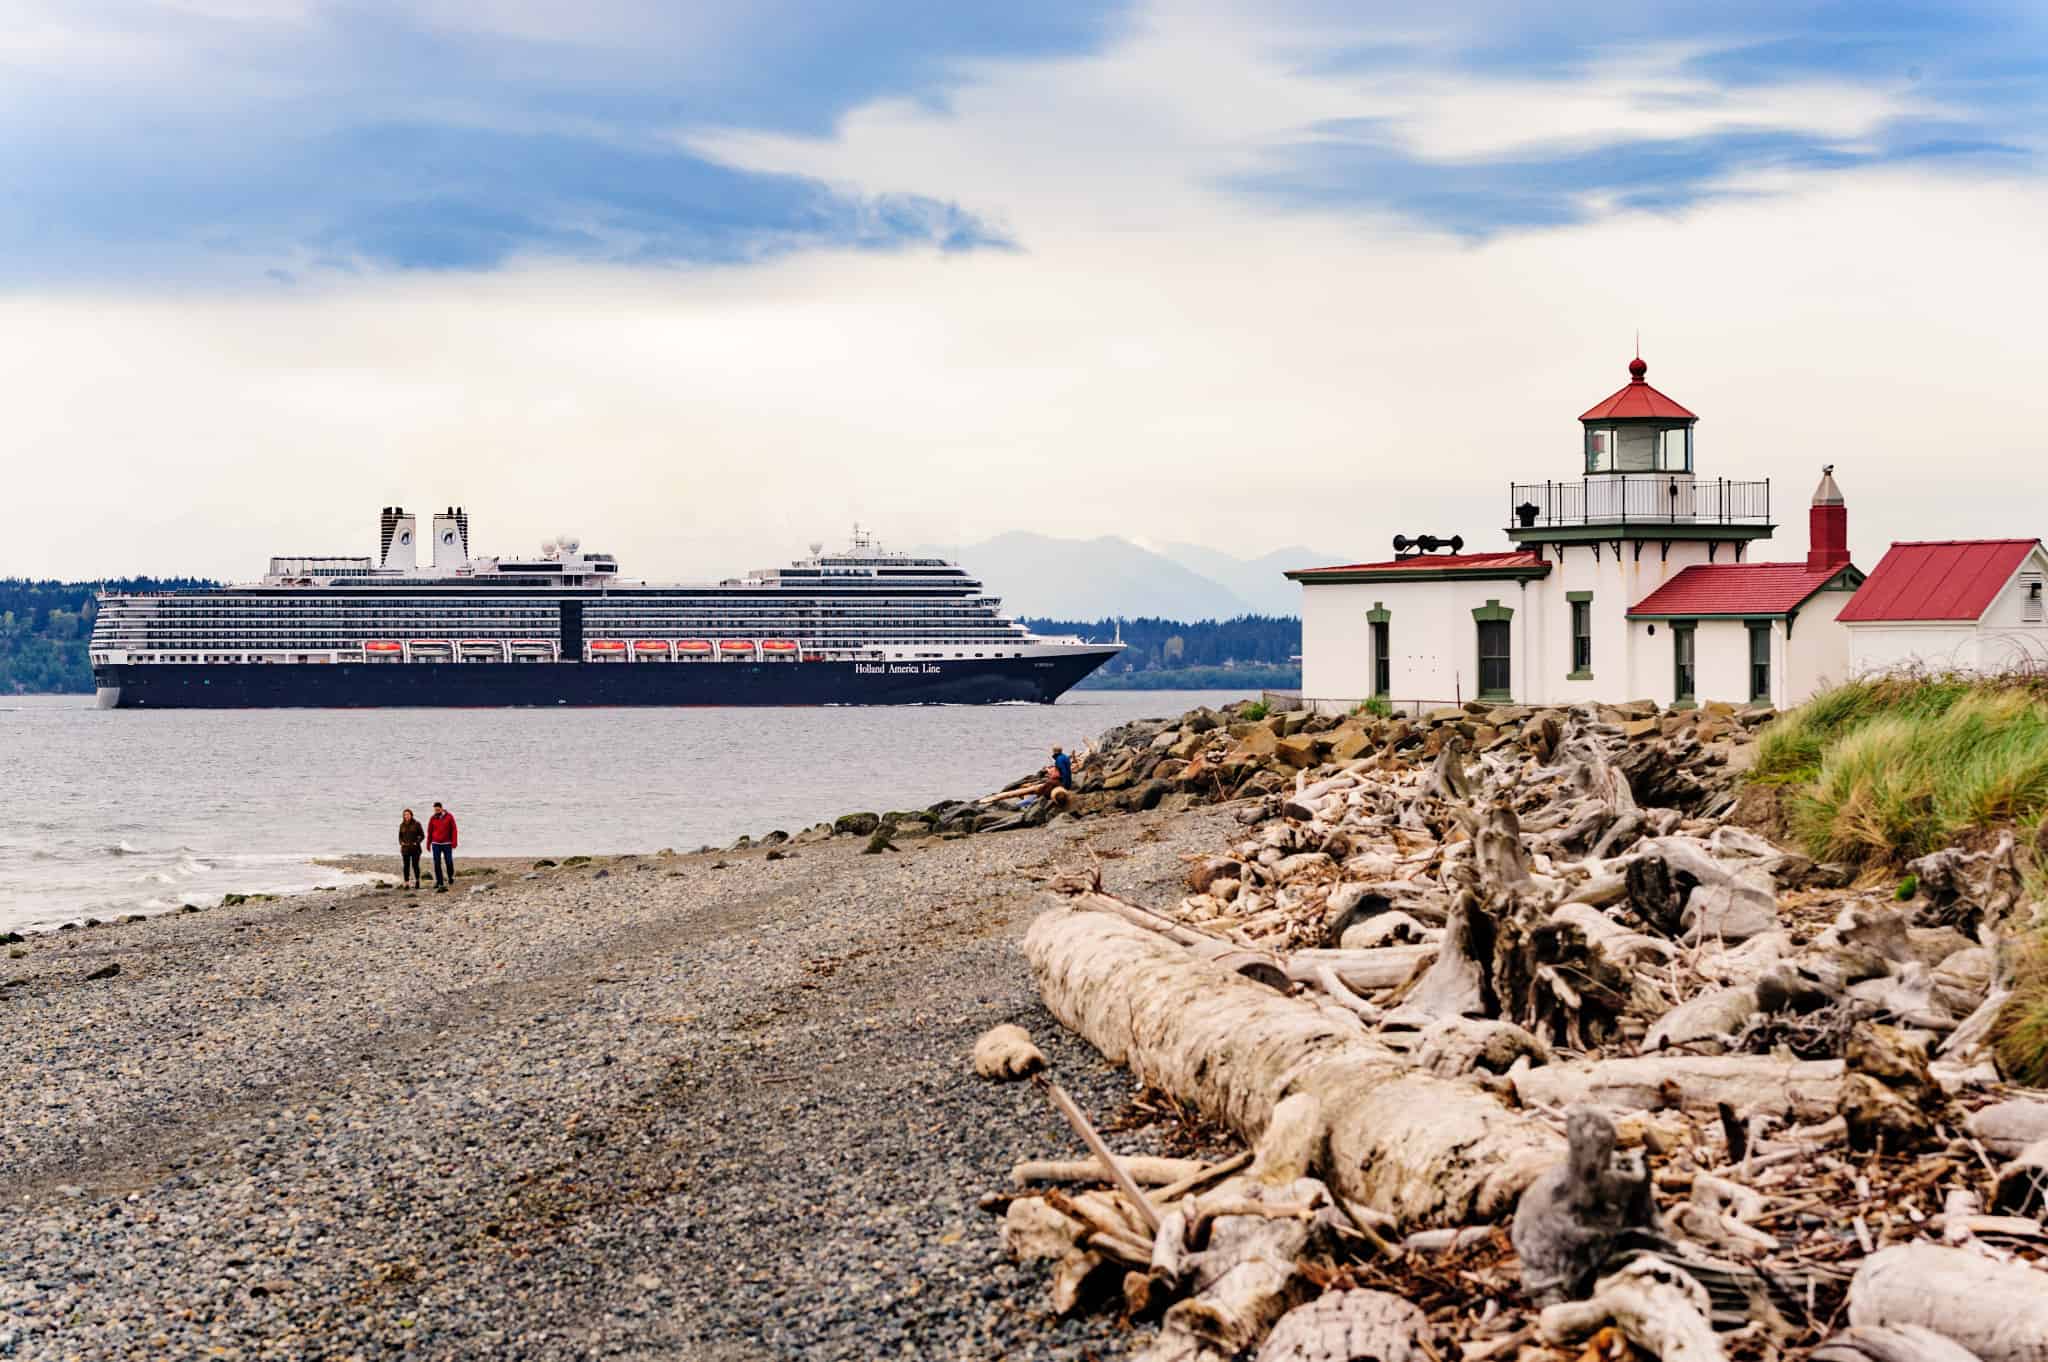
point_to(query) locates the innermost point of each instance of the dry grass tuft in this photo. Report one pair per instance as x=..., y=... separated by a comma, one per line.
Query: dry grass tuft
x=2019, y=1038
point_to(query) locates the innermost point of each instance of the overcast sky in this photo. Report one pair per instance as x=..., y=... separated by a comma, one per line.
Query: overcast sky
x=703, y=282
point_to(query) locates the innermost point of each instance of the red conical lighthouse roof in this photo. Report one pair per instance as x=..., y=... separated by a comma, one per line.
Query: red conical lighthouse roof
x=1638, y=401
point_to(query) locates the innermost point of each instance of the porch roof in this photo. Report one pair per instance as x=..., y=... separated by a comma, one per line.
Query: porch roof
x=1755, y=590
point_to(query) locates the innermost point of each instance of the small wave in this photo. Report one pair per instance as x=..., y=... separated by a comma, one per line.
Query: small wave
x=184, y=868
x=120, y=849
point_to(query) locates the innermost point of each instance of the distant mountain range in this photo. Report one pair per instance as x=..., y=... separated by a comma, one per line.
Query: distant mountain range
x=1044, y=577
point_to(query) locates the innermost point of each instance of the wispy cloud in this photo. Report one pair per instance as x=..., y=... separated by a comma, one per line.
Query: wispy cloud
x=1481, y=122
x=1462, y=141
x=259, y=138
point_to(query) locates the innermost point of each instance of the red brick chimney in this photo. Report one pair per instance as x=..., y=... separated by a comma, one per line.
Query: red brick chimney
x=1827, y=525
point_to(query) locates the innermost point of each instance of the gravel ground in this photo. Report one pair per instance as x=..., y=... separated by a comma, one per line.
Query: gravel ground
x=644, y=1107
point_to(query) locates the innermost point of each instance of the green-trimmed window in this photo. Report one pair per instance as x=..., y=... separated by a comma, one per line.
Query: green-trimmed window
x=1684, y=673
x=1581, y=603
x=1495, y=664
x=1760, y=661
x=1382, y=660
x=1496, y=669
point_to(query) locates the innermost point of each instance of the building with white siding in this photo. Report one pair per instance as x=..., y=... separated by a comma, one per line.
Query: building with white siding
x=1634, y=580
x=1966, y=605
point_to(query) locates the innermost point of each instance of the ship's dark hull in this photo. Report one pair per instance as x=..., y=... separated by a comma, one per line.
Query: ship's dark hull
x=358, y=685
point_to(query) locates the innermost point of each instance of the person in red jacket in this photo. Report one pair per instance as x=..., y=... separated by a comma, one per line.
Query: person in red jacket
x=441, y=841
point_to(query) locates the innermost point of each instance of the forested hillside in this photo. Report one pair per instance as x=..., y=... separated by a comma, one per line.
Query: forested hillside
x=1258, y=650
x=44, y=628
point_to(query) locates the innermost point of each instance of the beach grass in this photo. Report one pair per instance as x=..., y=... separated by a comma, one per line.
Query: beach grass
x=1889, y=768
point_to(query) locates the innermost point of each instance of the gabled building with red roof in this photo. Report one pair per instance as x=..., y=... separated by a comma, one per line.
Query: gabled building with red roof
x=1951, y=605
x=1634, y=579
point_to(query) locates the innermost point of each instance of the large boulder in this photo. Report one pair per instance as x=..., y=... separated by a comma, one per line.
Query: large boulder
x=1297, y=750
x=1349, y=741
x=1260, y=744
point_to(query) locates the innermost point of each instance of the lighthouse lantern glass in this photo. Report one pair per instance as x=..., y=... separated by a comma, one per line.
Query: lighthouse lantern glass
x=1638, y=449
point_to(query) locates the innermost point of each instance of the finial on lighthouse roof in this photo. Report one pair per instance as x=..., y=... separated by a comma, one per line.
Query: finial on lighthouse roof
x=1827, y=494
x=1636, y=369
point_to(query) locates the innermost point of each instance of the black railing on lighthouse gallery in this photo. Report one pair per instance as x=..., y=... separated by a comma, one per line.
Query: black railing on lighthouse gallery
x=1648, y=498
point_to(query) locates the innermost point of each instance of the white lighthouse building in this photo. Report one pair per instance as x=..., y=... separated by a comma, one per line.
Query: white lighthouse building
x=1635, y=579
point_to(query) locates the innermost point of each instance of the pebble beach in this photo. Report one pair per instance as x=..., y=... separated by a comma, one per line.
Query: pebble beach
x=706, y=1106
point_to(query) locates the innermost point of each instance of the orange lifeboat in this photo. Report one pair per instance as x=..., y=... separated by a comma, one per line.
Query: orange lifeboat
x=608, y=647
x=384, y=649
x=779, y=647
x=693, y=647
x=650, y=646
x=735, y=647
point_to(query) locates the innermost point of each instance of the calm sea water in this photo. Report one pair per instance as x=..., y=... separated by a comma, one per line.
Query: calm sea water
x=117, y=811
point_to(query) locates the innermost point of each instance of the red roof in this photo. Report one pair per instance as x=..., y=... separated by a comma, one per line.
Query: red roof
x=1938, y=579
x=1638, y=401
x=1427, y=562
x=1737, y=589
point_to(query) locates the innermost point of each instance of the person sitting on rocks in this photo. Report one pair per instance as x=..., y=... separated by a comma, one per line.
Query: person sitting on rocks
x=1058, y=786
x=411, y=836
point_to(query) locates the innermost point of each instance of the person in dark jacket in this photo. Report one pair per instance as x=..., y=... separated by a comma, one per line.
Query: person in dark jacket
x=441, y=841
x=1064, y=764
x=411, y=836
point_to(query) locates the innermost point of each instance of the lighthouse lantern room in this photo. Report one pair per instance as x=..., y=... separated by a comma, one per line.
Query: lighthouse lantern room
x=1637, y=471
x=1638, y=430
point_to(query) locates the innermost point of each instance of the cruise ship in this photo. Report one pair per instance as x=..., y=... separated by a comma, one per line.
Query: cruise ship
x=562, y=627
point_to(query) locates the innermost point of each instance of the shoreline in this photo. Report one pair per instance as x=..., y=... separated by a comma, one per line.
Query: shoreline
x=173, y=902
x=556, y=1116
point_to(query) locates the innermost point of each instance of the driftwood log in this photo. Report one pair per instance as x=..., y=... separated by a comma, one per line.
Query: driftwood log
x=1418, y=1147
x=1344, y=1326
x=1809, y=1089
x=1659, y=1307
x=1145, y=1170
x=1998, y=1311
x=2008, y=1127
x=1907, y=1343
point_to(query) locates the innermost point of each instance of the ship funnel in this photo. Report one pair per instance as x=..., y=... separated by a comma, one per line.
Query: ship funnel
x=396, y=531
x=451, y=540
